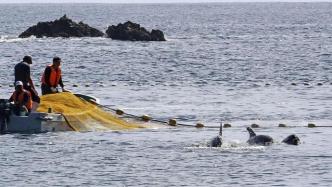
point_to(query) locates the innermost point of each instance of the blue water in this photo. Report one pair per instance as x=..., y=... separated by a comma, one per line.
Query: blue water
x=240, y=63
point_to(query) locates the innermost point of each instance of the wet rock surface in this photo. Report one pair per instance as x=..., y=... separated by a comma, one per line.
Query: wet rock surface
x=133, y=32
x=63, y=27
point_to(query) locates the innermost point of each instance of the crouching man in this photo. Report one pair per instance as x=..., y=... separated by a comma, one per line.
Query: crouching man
x=22, y=100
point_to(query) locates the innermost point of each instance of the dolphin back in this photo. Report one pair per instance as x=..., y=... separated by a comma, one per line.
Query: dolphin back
x=258, y=139
x=217, y=141
x=261, y=140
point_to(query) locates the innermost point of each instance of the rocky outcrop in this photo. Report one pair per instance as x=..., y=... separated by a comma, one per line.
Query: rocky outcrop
x=63, y=27
x=133, y=32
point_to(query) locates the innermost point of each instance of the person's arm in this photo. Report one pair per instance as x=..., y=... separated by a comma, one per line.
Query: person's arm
x=60, y=82
x=29, y=78
x=62, y=86
x=31, y=83
x=11, y=99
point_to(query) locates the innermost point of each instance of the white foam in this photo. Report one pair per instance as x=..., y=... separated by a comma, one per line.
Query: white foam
x=12, y=39
x=229, y=146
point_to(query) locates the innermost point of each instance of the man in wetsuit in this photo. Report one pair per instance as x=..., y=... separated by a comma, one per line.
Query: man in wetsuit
x=52, y=77
x=22, y=73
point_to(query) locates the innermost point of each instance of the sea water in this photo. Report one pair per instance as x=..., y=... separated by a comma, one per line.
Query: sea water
x=237, y=63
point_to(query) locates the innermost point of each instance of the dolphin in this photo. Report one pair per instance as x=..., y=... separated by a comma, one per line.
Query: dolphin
x=217, y=141
x=292, y=140
x=258, y=139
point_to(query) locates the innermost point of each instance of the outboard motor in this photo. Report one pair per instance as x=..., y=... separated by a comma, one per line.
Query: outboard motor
x=5, y=112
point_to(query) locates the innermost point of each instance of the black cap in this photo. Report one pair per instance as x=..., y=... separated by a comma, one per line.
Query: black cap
x=56, y=59
x=27, y=59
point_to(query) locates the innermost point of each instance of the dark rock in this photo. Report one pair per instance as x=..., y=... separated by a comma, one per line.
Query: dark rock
x=157, y=35
x=133, y=32
x=63, y=27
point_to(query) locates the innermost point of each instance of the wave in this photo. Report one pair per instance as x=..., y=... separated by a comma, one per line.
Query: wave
x=228, y=146
x=12, y=39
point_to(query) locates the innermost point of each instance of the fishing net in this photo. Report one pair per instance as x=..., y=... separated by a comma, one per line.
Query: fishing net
x=82, y=115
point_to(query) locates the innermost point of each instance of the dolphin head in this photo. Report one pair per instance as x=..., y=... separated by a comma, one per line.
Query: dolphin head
x=216, y=142
x=292, y=140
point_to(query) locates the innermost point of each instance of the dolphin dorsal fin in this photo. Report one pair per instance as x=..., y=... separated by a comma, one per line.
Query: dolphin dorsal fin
x=251, y=132
x=220, y=130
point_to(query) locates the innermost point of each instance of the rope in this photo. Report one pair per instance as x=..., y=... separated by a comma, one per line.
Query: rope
x=189, y=125
x=139, y=117
x=68, y=123
x=167, y=123
x=153, y=119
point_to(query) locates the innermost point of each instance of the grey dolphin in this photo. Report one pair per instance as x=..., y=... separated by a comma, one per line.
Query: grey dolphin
x=292, y=140
x=258, y=139
x=217, y=141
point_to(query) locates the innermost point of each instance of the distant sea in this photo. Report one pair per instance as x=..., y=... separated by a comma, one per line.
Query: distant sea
x=237, y=63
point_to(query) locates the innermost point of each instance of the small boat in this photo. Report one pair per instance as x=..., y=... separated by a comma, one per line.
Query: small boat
x=35, y=122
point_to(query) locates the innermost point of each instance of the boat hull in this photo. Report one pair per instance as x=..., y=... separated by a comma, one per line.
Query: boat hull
x=36, y=122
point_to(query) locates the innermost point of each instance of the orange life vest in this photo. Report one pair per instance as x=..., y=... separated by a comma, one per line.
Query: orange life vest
x=55, y=76
x=19, y=100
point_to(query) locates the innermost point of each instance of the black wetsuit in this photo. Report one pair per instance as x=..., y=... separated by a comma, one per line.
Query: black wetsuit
x=22, y=73
x=46, y=89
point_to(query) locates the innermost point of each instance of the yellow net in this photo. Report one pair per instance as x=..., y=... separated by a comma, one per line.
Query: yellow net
x=82, y=115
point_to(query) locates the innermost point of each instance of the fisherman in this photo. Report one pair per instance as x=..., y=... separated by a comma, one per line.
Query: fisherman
x=22, y=73
x=52, y=78
x=22, y=99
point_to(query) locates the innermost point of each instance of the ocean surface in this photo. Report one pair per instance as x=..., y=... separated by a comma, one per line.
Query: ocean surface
x=237, y=63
